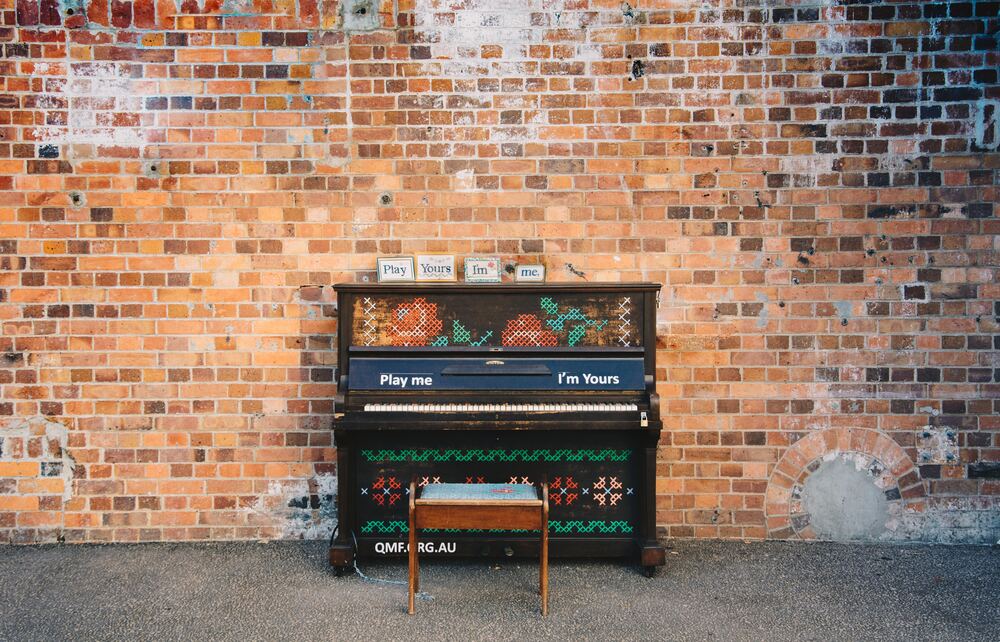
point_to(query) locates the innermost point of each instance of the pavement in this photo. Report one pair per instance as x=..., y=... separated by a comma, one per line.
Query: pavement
x=708, y=591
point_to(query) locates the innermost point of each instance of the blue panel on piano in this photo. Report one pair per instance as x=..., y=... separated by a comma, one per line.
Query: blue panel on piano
x=410, y=375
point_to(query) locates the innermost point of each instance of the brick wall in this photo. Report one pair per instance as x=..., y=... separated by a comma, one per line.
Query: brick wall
x=814, y=183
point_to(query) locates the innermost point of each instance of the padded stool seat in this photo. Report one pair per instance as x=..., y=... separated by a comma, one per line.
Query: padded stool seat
x=479, y=492
x=475, y=506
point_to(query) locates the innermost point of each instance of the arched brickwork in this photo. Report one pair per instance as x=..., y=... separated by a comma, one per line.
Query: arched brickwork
x=882, y=458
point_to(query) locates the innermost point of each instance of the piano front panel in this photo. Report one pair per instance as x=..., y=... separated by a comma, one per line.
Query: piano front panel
x=593, y=481
x=499, y=319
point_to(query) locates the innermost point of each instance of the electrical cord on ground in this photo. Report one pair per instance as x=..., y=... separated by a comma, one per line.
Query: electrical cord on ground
x=423, y=595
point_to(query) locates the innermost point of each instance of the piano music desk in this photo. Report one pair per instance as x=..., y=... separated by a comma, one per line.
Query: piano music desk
x=476, y=506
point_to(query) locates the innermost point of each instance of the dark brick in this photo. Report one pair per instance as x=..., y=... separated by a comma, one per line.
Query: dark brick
x=181, y=102
x=900, y=96
x=930, y=472
x=851, y=243
x=928, y=375
x=979, y=210
x=903, y=374
x=273, y=38
x=783, y=15
x=852, y=276
x=276, y=71
x=984, y=470
x=956, y=292
x=884, y=211
x=49, y=167
x=979, y=342
x=951, y=94
x=877, y=374
x=902, y=406
x=827, y=374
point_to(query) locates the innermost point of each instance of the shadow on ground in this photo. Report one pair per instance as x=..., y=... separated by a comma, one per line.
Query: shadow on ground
x=713, y=590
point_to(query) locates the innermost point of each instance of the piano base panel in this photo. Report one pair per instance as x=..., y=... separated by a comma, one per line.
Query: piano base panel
x=454, y=545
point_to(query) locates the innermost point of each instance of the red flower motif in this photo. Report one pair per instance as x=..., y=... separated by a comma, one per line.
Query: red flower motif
x=414, y=323
x=527, y=330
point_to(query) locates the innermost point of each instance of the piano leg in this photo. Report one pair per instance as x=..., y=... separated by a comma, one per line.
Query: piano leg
x=342, y=547
x=651, y=553
x=412, y=552
x=341, y=556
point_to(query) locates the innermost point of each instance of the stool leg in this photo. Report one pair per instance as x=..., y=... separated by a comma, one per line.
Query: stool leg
x=544, y=561
x=412, y=551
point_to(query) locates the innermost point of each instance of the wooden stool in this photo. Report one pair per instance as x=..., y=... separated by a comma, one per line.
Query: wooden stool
x=474, y=506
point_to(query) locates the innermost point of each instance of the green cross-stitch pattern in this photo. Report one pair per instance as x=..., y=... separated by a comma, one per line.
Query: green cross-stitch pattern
x=378, y=526
x=558, y=527
x=494, y=455
x=460, y=335
x=589, y=526
x=558, y=323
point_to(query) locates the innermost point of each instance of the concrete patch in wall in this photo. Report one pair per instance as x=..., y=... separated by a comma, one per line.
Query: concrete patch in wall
x=33, y=451
x=154, y=168
x=986, y=124
x=937, y=445
x=299, y=508
x=95, y=93
x=844, y=484
x=359, y=15
x=843, y=503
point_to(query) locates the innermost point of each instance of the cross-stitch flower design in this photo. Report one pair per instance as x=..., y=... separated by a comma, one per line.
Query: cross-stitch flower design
x=414, y=323
x=386, y=491
x=527, y=330
x=562, y=490
x=607, y=491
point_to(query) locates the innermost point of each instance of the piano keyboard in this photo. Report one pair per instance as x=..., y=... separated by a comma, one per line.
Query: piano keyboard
x=501, y=407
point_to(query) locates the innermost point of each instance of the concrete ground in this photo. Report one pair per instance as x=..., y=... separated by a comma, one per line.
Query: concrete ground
x=709, y=591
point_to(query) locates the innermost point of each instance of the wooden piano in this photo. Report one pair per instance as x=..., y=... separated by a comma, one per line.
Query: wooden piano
x=498, y=384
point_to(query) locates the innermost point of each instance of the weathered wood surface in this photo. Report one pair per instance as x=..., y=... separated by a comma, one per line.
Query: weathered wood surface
x=498, y=319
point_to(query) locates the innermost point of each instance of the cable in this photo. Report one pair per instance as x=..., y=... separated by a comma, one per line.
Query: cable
x=423, y=595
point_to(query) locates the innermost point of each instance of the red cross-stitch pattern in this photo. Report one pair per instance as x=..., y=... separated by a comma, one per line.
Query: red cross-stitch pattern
x=561, y=491
x=603, y=491
x=475, y=480
x=414, y=323
x=527, y=330
x=386, y=489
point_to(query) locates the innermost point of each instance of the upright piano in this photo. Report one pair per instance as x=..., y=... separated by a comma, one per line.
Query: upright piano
x=498, y=384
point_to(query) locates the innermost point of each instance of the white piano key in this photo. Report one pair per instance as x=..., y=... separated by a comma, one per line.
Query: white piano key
x=502, y=407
